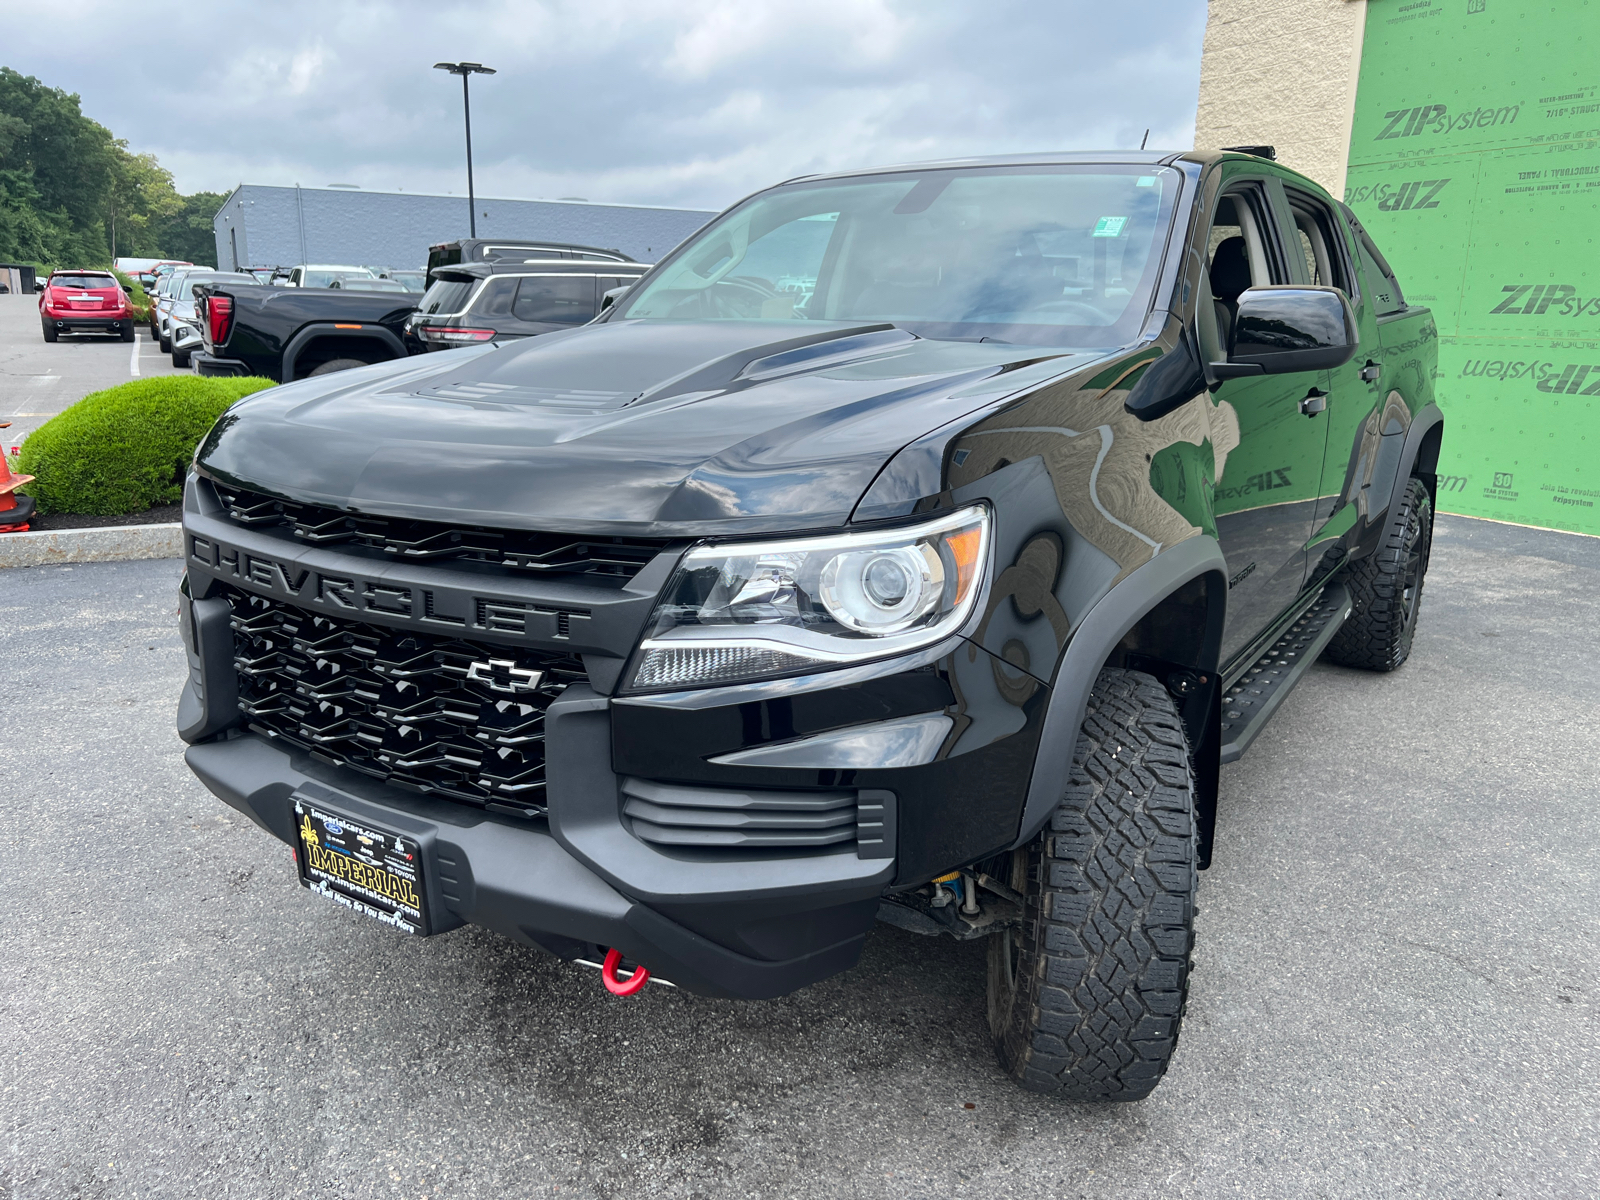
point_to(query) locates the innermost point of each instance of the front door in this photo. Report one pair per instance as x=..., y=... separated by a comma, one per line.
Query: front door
x=1266, y=496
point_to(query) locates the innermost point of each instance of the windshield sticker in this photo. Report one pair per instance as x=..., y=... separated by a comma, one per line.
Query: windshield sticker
x=1109, y=226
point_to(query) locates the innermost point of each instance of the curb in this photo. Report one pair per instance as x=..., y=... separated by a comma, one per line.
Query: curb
x=109, y=543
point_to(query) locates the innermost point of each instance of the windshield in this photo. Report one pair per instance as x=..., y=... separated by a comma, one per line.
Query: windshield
x=446, y=296
x=83, y=281
x=1055, y=255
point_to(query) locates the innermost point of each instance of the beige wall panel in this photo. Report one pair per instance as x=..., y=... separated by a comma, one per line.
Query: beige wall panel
x=1283, y=73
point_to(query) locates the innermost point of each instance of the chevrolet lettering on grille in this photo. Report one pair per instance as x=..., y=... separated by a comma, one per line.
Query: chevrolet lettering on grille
x=504, y=675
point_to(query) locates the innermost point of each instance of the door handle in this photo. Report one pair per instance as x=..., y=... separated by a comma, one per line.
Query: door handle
x=1316, y=400
x=1370, y=372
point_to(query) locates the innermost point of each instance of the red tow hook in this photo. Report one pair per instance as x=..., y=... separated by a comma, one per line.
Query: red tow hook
x=621, y=987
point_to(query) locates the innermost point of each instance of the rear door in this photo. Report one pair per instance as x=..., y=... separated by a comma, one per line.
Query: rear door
x=1267, y=489
x=1326, y=257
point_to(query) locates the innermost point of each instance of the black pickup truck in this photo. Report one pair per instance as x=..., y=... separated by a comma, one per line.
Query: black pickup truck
x=288, y=333
x=910, y=545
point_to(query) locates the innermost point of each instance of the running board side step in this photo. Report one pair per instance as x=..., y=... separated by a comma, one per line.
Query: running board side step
x=1249, y=703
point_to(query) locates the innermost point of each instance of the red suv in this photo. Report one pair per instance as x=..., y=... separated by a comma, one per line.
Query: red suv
x=84, y=302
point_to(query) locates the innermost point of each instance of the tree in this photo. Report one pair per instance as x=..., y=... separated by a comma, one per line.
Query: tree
x=66, y=183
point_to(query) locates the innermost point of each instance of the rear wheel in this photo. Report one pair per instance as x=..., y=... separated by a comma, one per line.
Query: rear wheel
x=49, y=331
x=337, y=364
x=1086, y=996
x=127, y=332
x=1386, y=589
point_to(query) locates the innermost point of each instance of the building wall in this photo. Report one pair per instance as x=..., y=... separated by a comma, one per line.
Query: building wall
x=1283, y=73
x=281, y=226
x=1475, y=163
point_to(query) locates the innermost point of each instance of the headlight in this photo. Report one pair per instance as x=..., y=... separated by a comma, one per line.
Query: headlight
x=739, y=612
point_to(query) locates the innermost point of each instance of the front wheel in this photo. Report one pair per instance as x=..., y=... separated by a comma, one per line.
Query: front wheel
x=1386, y=589
x=180, y=358
x=1086, y=995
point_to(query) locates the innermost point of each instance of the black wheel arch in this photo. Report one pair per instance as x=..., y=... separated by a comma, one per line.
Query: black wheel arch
x=363, y=343
x=1165, y=618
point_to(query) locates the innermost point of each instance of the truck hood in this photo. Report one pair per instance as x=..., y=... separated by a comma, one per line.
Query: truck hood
x=631, y=428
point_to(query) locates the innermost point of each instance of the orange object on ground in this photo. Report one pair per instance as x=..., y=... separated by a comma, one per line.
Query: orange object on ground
x=14, y=509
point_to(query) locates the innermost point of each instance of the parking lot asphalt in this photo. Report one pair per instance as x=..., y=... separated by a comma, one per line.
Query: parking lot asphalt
x=38, y=378
x=1395, y=995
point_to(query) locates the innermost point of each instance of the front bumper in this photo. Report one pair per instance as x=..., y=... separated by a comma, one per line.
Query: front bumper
x=536, y=887
x=185, y=336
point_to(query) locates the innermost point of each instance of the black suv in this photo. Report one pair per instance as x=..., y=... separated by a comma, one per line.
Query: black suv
x=910, y=545
x=494, y=301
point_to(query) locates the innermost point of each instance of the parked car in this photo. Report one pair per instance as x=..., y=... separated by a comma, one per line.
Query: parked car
x=289, y=333
x=183, y=321
x=318, y=275
x=84, y=302
x=166, y=296
x=415, y=281
x=483, y=302
x=909, y=545
x=370, y=285
x=478, y=250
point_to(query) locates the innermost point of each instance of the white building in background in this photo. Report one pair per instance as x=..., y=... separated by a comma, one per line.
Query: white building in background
x=262, y=226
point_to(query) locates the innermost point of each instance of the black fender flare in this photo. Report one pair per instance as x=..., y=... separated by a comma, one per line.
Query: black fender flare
x=1096, y=637
x=1424, y=423
x=331, y=329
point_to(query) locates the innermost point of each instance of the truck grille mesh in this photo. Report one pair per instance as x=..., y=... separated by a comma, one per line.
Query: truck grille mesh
x=407, y=708
x=429, y=541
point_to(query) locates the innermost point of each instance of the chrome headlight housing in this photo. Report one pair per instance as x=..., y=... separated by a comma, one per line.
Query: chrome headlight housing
x=752, y=610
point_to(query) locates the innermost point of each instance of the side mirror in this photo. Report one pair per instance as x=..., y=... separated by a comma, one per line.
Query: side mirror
x=38, y=285
x=1281, y=329
x=608, y=298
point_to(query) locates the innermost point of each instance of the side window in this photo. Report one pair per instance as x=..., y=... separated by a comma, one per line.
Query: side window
x=1381, y=285
x=1241, y=252
x=1321, y=246
x=294, y=277
x=556, y=299
x=496, y=297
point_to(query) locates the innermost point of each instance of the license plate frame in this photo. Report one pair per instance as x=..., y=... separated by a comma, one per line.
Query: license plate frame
x=362, y=866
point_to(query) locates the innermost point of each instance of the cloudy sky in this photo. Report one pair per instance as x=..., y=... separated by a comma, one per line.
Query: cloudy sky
x=644, y=101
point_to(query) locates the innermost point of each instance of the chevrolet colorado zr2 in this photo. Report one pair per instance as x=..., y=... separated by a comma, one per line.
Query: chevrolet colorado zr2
x=909, y=544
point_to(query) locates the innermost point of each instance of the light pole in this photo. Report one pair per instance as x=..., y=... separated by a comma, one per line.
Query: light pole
x=466, y=70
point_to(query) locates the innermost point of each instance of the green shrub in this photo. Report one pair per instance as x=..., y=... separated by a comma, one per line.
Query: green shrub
x=127, y=448
x=137, y=300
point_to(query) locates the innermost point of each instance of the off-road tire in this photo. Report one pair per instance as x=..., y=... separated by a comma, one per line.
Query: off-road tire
x=1086, y=997
x=338, y=364
x=1386, y=589
x=50, y=331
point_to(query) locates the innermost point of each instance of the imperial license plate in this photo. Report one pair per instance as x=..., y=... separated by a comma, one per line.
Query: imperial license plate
x=370, y=870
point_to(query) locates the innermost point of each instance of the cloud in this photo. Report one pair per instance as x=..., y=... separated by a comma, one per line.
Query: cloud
x=643, y=101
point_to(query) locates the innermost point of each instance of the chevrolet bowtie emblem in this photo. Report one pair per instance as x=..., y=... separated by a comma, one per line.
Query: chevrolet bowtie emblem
x=503, y=675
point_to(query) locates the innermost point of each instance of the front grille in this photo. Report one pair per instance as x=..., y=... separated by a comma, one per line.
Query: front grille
x=431, y=541
x=718, y=818
x=453, y=718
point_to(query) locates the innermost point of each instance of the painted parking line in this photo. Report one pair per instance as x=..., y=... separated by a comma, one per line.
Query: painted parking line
x=133, y=358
